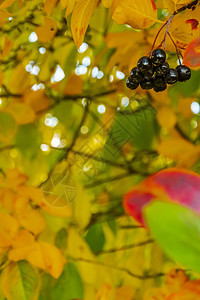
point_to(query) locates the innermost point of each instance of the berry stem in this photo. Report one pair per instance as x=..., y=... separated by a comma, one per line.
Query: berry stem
x=192, y=5
x=178, y=53
x=156, y=37
x=167, y=30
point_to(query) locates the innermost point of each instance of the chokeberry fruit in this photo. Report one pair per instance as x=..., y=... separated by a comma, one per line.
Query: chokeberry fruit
x=136, y=75
x=159, y=81
x=147, y=83
x=144, y=64
x=132, y=85
x=162, y=69
x=184, y=73
x=160, y=88
x=172, y=76
x=149, y=73
x=158, y=57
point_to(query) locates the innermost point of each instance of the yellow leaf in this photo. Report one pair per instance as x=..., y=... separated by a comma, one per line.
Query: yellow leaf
x=8, y=127
x=23, y=244
x=78, y=248
x=69, y=5
x=166, y=117
x=138, y=14
x=48, y=6
x=8, y=229
x=48, y=258
x=82, y=208
x=47, y=31
x=24, y=80
x=173, y=149
x=8, y=44
x=22, y=113
x=80, y=19
x=107, y=3
x=6, y=3
x=4, y=15
x=32, y=220
x=185, y=27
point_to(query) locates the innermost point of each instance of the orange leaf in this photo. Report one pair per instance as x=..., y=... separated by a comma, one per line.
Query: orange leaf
x=74, y=85
x=8, y=229
x=138, y=14
x=47, y=31
x=192, y=54
x=48, y=258
x=22, y=113
x=80, y=19
x=6, y=3
x=32, y=220
x=48, y=6
x=23, y=244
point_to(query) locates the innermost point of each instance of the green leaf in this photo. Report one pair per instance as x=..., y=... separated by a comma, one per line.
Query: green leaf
x=28, y=140
x=95, y=238
x=177, y=230
x=7, y=127
x=69, y=285
x=139, y=128
x=20, y=281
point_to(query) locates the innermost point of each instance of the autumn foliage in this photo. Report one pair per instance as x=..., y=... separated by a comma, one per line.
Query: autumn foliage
x=99, y=185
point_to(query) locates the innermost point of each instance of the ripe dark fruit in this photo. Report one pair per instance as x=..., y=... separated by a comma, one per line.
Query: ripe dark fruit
x=149, y=73
x=136, y=75
x=131, y=84
x=158, y=57
x=160, y=88
x=144, y=64
x=184, y=73
x=162, y=69
x=159, y=81
x=147, y=83
x=172, y=76
x=155, y=73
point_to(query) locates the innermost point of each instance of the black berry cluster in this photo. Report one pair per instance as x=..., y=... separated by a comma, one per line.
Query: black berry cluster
x=155, y=73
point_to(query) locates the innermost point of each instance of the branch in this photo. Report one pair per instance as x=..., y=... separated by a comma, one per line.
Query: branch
x=127, y=247
x=141, y=277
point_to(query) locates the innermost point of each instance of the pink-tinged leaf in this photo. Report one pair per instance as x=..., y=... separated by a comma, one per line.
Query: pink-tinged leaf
x=134, y=202
x=192, y=54
x=173, y=185
x=180, y=186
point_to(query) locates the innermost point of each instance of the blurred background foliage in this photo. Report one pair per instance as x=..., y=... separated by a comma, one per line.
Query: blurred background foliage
x=66, y=113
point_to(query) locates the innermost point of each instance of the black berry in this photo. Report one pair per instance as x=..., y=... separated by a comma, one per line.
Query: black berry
x=132, y=85
x=144, y=64
x=159, y=81
x=160, y=88
x=147, y=83
x=136, y=75
x=162, y=69
x=172, y=76
x=184, y=73
x=149, y=73
x=158, y=57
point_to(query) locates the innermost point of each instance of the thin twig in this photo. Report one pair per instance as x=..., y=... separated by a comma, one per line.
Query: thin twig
x=126, y=247
x=141, y=277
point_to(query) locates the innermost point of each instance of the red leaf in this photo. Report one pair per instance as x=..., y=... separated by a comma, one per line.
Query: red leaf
x=179, y=186
x=192, y=54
